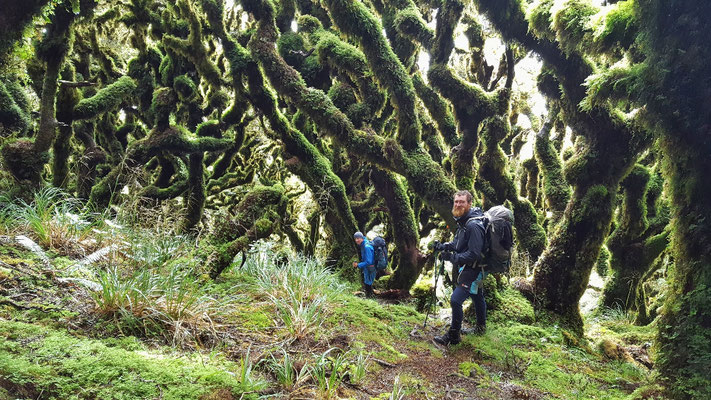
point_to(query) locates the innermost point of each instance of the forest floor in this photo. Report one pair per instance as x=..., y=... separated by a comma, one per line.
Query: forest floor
x=61, y=337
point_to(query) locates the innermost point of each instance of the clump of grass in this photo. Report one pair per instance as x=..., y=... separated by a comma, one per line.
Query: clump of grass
x=173, y=301
x=299, y=287
x=286, y=371
x=53, y=219
x=359, y=368
x=328, y=373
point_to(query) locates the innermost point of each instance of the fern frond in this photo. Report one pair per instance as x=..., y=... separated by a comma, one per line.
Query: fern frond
x=34, y=247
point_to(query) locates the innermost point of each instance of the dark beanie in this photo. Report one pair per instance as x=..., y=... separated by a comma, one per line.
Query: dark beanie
x=358, y=235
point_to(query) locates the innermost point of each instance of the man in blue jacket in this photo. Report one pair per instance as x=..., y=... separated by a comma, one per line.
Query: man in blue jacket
x=465, y=252
x=366, y=263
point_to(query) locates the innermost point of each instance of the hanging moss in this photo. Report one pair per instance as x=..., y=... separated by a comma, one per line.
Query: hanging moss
x=192, y=48
x=105, y=99
x=602, y=267
x=185, y=88
x=572, y=25
x=619, y=30
x=539, y=18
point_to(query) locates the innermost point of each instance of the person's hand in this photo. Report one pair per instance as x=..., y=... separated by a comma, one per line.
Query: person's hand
x=447, y=256
x=437, y=246
x=355, y=264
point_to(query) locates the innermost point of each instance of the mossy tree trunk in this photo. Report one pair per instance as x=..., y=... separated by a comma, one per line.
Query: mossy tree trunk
x=405, y=234
x=678, y=102
x=555, y=189
x=632, y=245
x=607, y=155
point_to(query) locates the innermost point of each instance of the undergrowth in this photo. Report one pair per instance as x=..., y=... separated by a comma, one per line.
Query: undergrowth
x=278, y=324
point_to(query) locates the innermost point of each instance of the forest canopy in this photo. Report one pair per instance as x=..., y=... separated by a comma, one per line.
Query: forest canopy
x=304, y=121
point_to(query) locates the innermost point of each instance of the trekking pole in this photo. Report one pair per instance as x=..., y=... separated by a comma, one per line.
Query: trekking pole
x=434, y=290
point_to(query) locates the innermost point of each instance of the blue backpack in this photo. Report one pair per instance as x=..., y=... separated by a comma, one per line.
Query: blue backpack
x=380, y=248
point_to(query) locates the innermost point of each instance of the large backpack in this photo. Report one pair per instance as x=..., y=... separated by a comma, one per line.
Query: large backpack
x=498, y=240
x=380, y=248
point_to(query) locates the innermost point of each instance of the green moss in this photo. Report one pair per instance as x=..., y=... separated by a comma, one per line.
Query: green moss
x=512, y=307
x=572, y=25
x=39, y=360
x=185, y=88
x=539, y=18
x=356, y=20
x=22, y=161
x=602, y=267
x=105, y=99
x=13, y=118
x=618, y=29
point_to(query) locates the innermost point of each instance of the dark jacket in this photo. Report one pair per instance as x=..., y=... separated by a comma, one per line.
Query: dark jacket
x=467, y=245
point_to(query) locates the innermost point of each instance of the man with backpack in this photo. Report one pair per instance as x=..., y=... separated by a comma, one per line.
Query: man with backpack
x=366, y=263
x=465, y=252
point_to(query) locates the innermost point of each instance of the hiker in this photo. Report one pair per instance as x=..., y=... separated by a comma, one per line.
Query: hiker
x=464, y=253
x=366, y=263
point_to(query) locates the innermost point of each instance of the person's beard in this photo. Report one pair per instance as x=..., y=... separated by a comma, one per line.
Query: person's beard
x=458, y=212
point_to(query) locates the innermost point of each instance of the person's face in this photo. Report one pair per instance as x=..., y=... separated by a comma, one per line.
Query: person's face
x=460, y=206
x=358, y=241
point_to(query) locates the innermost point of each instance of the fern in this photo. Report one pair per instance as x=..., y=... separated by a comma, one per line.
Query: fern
x=34, y=247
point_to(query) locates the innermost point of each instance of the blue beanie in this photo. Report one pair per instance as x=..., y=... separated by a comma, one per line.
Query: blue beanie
x=358, y=235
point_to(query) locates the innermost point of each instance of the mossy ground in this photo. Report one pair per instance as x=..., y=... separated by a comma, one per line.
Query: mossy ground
x=62, y=348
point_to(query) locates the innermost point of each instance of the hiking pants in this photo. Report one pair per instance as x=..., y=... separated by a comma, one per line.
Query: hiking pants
x=457, y=300
x=369, y=275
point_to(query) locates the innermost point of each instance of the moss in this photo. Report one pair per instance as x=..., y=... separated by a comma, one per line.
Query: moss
x=105, y=99
x=438, y=109
x=39, y=360
x=13, y=118
x=22, y=161
x=572, y=25
x=618, y=29
x=356, y=20
x=602, y=267
x=192, y=48
x=471, y=369
x=555, y=188
x=539, y=17
x=185, y=88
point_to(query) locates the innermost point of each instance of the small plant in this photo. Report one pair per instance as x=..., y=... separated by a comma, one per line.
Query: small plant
x=249, y=382
x=328, y=373
x=53, y=219
x=286, y=371
x=399, y=391
x=359, y=368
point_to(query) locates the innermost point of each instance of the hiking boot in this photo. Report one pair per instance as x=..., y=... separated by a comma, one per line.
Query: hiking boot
x=451, y=337
x=369, y=293
x=476, y=330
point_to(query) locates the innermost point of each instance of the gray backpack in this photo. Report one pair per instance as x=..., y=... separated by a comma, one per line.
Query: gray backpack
x=498, y=240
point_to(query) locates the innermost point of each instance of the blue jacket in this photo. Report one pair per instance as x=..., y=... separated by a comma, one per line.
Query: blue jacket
x=366, y=254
